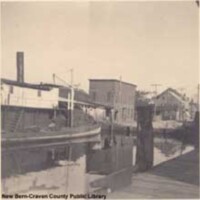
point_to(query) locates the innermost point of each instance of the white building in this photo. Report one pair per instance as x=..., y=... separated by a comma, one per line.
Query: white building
x=29, y=95
x=25, y=105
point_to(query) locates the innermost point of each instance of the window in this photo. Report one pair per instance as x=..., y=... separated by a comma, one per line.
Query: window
x=39, y=93
x=124, y=113
x=116, y=113
x=109, y=96
x=94, y=96
x=11, y=89
x=108, y=112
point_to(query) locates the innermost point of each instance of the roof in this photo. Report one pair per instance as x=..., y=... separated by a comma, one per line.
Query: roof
x=174, y=92
x=170, y=90
x=41, y=86
x=113, y=80
x=81, y=95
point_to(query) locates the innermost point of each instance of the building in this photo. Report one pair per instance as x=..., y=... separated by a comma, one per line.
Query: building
x=193, y=108
x=14, y=93
x=171, y=105
x=115, y=94
x=26, y=105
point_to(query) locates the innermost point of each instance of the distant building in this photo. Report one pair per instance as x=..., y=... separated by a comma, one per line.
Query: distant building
x=171, y=105
x=193, y=108
x=143, y=98
x=115, y=94
x=80, y=96
x=82, y=101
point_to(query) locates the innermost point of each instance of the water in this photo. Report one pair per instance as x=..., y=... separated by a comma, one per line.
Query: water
x=63, y=169
x=166, y=150
x=33, y=171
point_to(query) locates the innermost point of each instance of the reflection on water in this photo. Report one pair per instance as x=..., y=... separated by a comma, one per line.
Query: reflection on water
x=58, y=179
x=62, y=169
x=169, y=147
x=166, y=149
x=59, y=169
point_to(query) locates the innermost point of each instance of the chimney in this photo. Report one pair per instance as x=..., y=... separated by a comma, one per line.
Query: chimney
x=20, y=67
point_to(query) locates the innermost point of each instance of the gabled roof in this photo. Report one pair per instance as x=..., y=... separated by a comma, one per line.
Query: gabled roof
x=174, y=92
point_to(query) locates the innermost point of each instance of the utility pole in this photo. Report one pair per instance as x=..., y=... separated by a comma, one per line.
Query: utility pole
x=120, y=96
x=72, y=99
x=198, y=87
x=155, y=85
x=54, y=79
x=70, y=96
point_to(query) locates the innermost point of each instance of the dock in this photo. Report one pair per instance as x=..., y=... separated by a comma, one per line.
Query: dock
x=176, y=178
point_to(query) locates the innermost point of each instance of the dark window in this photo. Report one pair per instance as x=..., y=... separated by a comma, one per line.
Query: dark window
x=94, y=96
x=51, y=115
x=124, y=113
x=115, y=117
x=39, y=93
x=157, y=112
x=109, y=96
x=108, y=112
x=11, y=89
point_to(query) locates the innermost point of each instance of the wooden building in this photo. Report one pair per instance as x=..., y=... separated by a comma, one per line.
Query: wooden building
x=171, y=105
x=115, y=94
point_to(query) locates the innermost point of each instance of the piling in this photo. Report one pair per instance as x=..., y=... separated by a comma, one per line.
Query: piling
x=144, y=152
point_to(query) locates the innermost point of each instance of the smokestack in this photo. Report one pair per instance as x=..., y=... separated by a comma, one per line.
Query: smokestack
x=20, y=67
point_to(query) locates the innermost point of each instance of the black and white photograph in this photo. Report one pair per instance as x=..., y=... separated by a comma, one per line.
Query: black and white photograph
x=100, y=99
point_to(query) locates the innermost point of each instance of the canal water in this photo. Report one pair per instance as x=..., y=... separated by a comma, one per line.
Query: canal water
x=63, y=169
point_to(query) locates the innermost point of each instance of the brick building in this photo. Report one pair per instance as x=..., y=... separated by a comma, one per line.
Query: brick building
x=116, y=94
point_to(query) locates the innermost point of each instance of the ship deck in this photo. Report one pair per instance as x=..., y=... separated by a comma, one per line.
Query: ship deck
x=22, y=140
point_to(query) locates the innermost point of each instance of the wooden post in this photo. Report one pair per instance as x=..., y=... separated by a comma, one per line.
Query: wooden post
x=196, y=130
x=72, y=99
x=54, y=113
x=72, y=108
x=111, y=128
x=69, y=109
x=144, y=153
x=20, y=67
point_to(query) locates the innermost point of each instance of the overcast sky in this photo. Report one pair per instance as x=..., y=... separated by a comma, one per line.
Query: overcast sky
x=144, y=42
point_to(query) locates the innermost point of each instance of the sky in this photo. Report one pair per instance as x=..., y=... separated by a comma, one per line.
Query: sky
x=142, y=42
